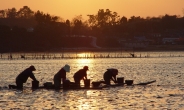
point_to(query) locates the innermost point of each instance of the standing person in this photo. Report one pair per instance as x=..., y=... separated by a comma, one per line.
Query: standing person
x=24, y=75
x=109, y=75
x=61, y=74
x=81, y=75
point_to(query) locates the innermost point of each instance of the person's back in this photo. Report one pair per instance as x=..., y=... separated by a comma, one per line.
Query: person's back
x=110, y=74
x=23, y=76
x=80, y=74
x=60, y=74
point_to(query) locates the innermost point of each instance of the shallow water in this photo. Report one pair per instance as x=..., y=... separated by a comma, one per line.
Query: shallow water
x=167, y=93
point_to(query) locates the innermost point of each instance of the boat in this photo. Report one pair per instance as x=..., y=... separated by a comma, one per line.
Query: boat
x=97, y=85
x=73, y=86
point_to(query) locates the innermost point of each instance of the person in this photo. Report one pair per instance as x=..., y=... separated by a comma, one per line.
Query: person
x=61, y=74
x=109, y=75
x=81, y=75
x=24, y=75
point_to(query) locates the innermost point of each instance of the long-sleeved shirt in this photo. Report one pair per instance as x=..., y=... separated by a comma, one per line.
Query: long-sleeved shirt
x=109, y=75
x=24, y=75
x=80, y=74
x=60, y=74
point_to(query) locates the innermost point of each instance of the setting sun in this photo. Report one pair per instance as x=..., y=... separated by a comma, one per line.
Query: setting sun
x=92, y=54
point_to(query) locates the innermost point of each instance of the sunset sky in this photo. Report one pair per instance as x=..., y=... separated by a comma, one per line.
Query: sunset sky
x=68, y=9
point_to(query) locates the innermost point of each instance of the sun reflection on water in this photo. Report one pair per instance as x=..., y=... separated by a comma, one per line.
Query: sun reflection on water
x=84, y=55
x=88, y=62
x=87, y=102
x=85, y=62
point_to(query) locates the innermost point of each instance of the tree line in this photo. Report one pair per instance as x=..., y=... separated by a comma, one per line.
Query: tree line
x=54, y=32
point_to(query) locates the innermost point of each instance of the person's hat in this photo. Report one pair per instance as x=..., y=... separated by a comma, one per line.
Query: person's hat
x=32, y=68
x=115, y=71
x=66, y=68
x=85, y=67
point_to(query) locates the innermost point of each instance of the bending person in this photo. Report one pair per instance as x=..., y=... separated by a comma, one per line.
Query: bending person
x=109, y=75
x=61, y=74
x=24, y=75
x=81, y=75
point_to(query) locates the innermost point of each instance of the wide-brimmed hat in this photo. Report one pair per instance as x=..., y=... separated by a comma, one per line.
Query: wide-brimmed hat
x=66, y=68
x=115, y=71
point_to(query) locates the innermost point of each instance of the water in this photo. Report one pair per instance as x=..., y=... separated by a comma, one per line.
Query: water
x=166, y=93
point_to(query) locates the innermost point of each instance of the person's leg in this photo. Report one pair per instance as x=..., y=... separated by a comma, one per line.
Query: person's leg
x=12, y=86
x=66, y=84
x=19, y=85
x=77, y=81
x=57, y=83
x=107, y=81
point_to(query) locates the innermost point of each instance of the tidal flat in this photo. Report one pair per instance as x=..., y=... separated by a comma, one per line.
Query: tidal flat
x=167, y=93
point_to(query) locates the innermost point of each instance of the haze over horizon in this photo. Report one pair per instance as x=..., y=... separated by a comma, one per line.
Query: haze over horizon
x=68, y=9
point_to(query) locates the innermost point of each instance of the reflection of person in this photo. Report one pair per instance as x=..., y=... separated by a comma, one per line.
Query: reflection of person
x=80, y=75
x=109, y=75
x=23, y=76
x=61, y=74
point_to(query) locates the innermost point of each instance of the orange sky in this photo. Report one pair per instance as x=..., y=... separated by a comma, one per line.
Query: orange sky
x=68, y=9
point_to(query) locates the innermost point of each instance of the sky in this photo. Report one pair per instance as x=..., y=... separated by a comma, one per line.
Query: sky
x=68, y=9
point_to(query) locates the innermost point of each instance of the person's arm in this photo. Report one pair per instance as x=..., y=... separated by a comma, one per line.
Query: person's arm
x=32, y=77
x=63, y=75
x=114, y=79
x=86, y=76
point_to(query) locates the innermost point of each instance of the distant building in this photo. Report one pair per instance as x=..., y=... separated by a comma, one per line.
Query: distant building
x=180, y=40
x=136, y=44
x=30, y=29
x=140, y=38
x=170, y=40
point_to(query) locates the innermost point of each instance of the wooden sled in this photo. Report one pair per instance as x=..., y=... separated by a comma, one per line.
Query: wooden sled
x=124, y=84
x=146, y=83
x=74, y=87
x=71, y=86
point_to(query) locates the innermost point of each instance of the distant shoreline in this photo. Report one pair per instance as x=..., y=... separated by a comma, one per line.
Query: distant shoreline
x=146, y=49
x=150, y=48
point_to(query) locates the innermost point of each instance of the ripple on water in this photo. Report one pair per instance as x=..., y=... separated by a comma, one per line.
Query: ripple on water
x=165, y=93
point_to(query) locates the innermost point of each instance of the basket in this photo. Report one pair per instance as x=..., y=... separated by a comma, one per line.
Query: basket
x=35, y=84
x=120, y=80
x=129, y=82
x=87, y=82
x=96, y=84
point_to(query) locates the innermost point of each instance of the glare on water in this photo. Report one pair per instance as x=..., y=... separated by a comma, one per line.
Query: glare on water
x=166, y=93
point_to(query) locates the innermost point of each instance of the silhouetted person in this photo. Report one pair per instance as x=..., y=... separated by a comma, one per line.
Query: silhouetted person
x=109, y=75
x=80, y=75
x=61, y=74
x=24, y=75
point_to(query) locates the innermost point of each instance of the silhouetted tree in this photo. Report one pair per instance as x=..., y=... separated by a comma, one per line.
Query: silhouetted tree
x=25, y=13
x=123, y=20
x=68, y=27
x=3, y=14
x=107, y=26
x=12, y=13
